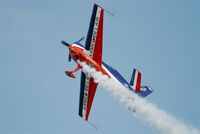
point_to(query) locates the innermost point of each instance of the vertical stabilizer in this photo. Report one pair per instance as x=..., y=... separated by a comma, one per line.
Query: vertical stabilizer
x=136, y=80
x=136, y=84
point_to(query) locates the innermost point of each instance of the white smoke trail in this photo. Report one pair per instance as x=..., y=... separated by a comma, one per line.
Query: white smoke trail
x=147, y=111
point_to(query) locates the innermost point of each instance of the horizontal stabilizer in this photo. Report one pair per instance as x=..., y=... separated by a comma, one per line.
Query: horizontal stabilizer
x=145, y=90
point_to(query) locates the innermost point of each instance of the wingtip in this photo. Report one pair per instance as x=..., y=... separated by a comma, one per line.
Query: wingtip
x=103, y=8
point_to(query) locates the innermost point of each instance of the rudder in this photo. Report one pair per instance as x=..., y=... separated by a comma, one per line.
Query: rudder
x=136, y=84
x=136, y=80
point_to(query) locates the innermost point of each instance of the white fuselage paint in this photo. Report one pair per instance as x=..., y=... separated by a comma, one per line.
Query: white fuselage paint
x=114, y=78
x=75, y=45
x=110, y=74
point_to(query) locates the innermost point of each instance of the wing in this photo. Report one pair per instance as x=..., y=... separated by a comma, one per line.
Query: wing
x=94, y=46
x=87, y=92
x=95, y=34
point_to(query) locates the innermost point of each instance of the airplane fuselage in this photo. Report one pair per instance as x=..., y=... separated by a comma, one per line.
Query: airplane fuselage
x=77, y=52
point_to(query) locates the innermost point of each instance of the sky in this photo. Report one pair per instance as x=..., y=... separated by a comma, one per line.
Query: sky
x=159, y=38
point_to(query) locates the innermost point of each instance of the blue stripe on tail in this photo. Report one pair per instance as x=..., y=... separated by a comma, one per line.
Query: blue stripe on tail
x=133, y=77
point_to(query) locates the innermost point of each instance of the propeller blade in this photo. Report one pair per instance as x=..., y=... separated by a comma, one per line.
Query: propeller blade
x=81, y=39
x=69, y=58
x=65, y=43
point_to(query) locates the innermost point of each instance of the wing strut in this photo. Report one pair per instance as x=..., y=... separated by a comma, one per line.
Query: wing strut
x=92, y=125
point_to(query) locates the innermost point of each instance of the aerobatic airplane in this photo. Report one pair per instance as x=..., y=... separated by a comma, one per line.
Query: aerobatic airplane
x=91, y=54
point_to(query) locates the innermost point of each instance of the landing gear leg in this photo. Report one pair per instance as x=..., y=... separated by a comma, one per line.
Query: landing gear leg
x=70, y=73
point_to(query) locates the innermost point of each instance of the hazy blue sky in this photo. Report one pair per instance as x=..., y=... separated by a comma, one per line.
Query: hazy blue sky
x=160, y=38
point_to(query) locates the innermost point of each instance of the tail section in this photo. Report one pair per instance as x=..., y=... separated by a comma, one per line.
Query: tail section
x=136, y=80
x=145, y=90
x=136, y=84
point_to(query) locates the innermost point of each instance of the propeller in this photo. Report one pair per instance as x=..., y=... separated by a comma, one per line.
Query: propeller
x=81, y=39
x=67, y=44
x=69, y=58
